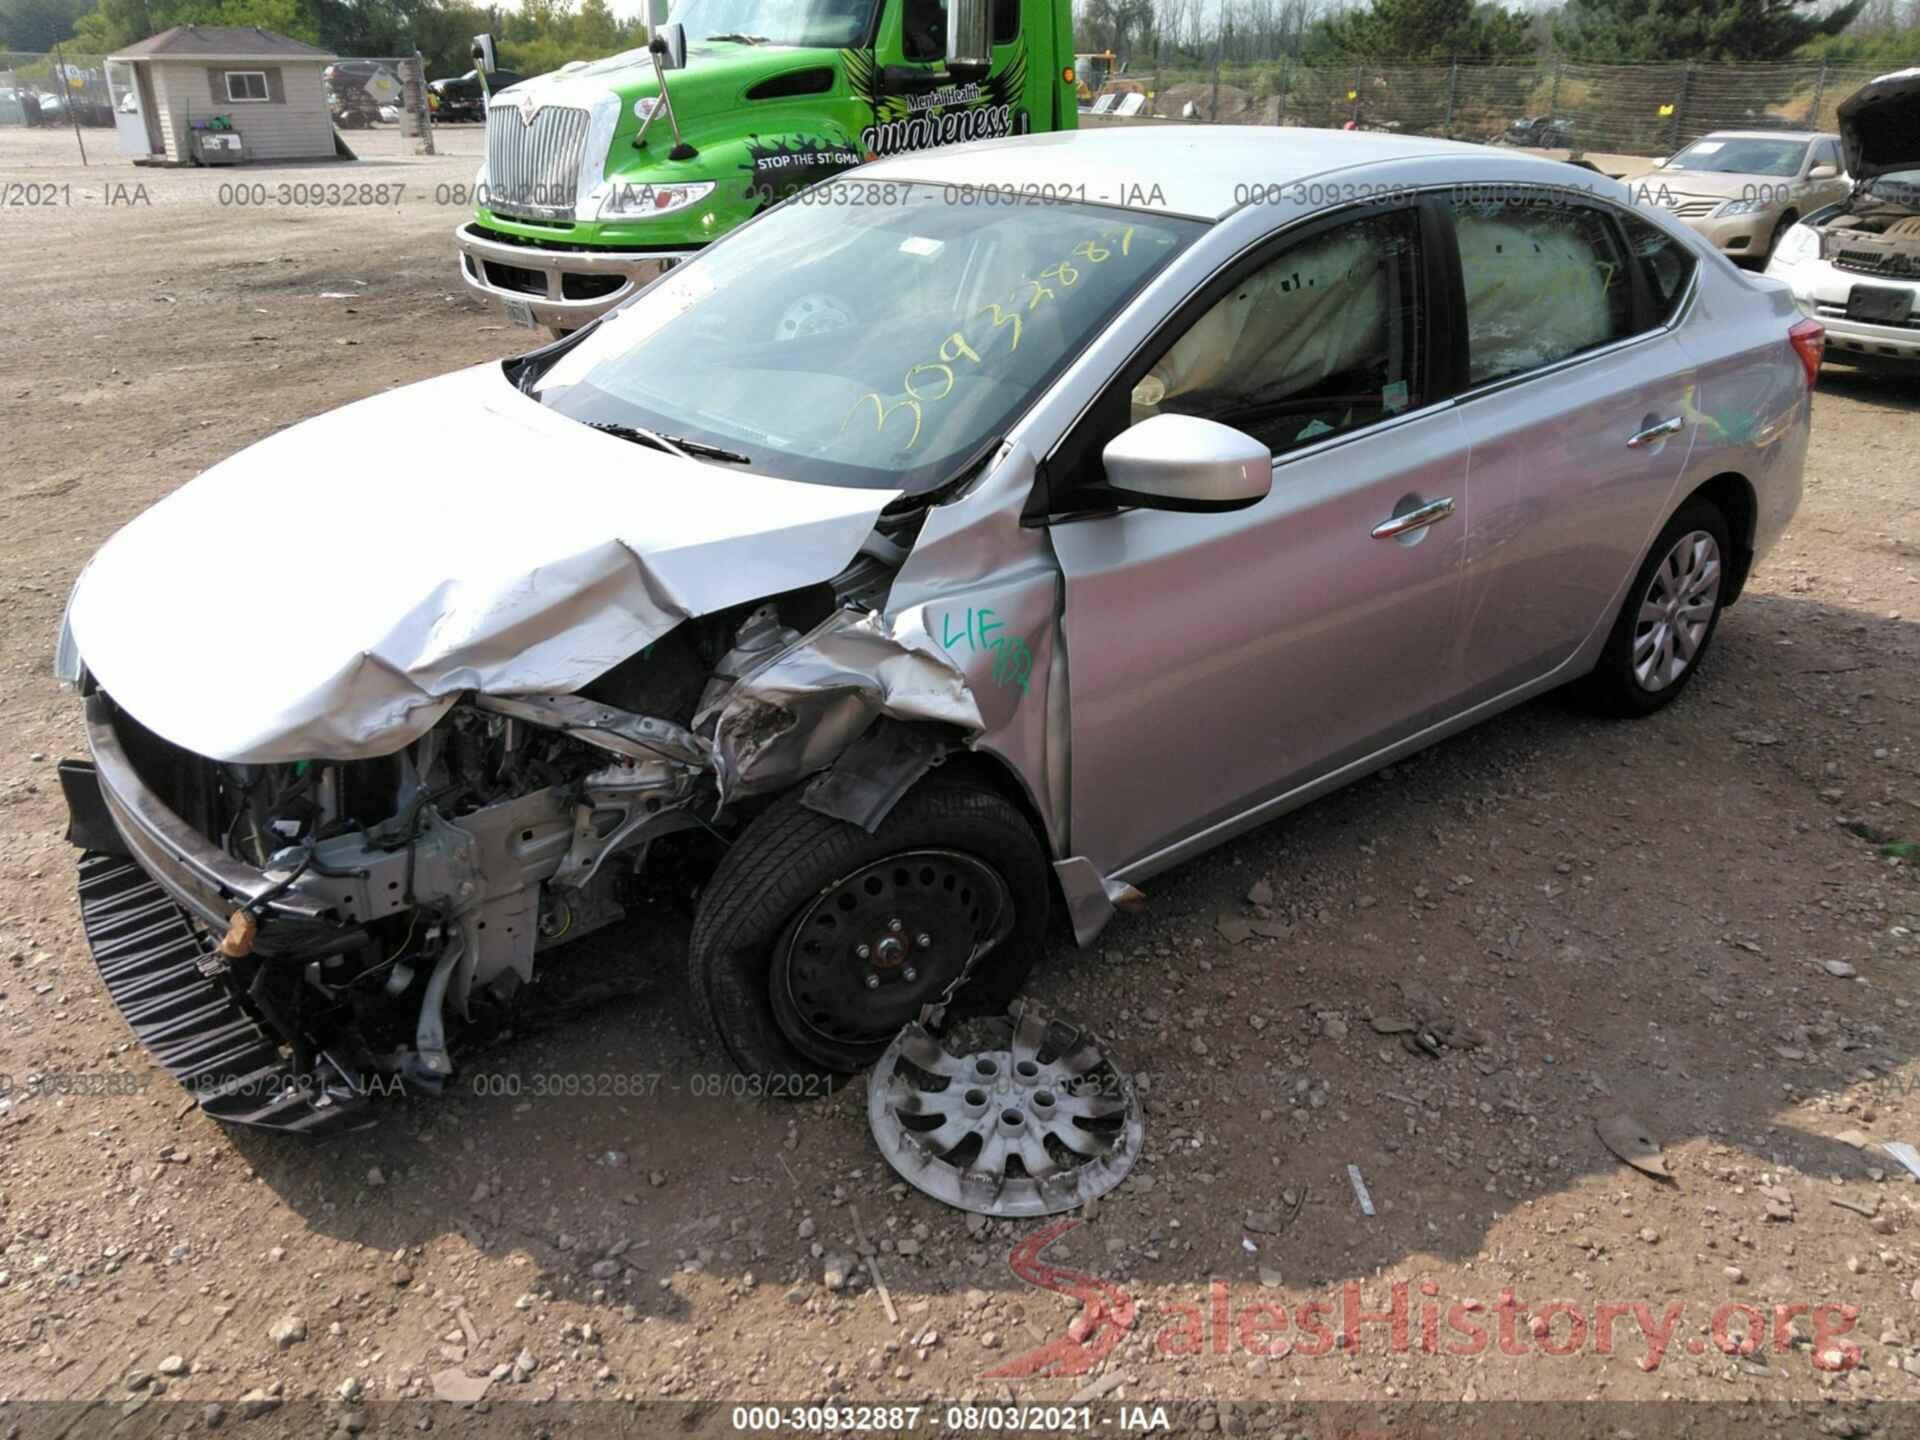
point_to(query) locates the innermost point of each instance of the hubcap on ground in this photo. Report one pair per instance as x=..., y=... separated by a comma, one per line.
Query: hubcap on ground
x=1676, y=610
x=875, y=946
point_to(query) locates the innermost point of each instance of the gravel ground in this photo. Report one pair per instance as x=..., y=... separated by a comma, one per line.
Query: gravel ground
x=1689, y=920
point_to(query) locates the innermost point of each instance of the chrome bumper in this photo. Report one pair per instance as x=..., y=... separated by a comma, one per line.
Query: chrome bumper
x=207, y=883
x=541, y=283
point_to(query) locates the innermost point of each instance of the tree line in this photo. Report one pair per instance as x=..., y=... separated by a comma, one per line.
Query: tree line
x=1183, y=33
x=541, y=35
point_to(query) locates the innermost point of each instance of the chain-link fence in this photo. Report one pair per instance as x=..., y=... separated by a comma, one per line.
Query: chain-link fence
x=66, y=89
x=1626, y=109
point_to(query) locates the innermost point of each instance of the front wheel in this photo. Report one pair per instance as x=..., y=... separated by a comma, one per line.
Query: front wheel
x=815, y=941
x=1669, y=616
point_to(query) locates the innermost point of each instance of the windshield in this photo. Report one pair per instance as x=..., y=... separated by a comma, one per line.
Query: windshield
x=1742, y=156
x=878, y=345
x=817, y=24
x=1900, y=187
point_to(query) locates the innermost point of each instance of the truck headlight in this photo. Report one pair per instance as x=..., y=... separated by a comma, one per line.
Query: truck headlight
x=636, y=200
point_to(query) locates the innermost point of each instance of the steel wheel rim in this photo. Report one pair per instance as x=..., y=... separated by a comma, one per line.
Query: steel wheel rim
x=873, y=948
x=1676, y=611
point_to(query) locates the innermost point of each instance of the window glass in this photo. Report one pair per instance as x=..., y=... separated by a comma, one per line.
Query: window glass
x=1741, y=155
x=1544, y=280
x=815, y=24
x=877, y=344
x=924, y=30
x=1666, y=263
x=1006, y=21
x=1324, y=338
x=246, y=85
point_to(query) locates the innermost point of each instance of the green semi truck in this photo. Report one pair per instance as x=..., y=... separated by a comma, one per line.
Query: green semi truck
x=600, y=176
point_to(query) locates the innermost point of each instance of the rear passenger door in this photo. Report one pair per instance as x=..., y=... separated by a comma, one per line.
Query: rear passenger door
x=1578, y=406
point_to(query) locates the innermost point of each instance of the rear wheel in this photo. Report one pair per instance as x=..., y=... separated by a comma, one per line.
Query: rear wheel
x=816, y=941
x=1669, y=616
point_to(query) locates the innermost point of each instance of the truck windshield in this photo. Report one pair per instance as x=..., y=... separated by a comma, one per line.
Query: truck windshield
x=866, y=333
x=816, y=24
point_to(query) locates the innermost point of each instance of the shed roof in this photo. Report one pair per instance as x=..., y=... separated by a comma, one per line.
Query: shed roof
x=221, y=42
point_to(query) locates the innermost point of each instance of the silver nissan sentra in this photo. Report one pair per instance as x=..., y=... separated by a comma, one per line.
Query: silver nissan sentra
x=969, y=539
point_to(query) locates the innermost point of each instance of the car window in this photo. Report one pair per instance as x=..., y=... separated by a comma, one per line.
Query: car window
x=1544, y=280
x=1828, y=153
x=1741, y=155
x=872, y=334
x=1325, y=337
x=924, y=30
x=1666, y=263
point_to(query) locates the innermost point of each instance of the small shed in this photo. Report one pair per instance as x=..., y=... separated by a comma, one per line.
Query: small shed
x=269, y=89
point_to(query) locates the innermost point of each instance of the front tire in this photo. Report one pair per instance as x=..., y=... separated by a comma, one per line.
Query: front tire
x=815, y=941
x=1669, y=616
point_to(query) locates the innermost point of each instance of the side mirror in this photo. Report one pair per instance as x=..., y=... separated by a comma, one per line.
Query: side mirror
x=1823, y=172
x=1181, y=462
x=969, y=39
x=669, y=42
x=483, y=57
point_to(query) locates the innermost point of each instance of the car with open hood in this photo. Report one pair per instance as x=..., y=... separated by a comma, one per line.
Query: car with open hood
x=910, y=566
x=1743, y=189
x=1855, y=265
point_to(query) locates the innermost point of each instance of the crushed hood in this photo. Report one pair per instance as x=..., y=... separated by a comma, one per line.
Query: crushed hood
x=329, y=592
x=1880, y=125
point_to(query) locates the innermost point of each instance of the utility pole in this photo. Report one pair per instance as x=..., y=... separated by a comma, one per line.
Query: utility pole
x=1819, y=94
x=66, y=102
x=1453, y=80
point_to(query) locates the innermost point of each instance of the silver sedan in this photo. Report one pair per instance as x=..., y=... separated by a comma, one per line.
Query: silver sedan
x=979, y=534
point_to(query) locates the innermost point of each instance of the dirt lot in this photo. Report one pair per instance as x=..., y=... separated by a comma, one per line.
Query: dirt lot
x=1689, y=919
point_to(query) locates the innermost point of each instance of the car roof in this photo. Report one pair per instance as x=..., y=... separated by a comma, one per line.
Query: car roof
x=1765, y=135
x=1185, y=169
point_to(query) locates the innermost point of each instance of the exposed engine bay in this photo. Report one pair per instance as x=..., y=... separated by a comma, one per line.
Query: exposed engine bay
x=1877, y=232
x=519, y=823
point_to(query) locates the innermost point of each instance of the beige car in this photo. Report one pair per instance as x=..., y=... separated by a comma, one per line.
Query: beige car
x=1744, y=189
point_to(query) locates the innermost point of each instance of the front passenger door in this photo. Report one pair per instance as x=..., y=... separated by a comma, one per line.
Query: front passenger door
x=1217, y=661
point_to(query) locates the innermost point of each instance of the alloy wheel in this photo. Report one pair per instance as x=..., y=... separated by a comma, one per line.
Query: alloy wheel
x=1676, y=611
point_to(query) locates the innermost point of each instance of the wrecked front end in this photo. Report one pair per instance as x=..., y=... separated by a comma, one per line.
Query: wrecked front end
x=293, y=939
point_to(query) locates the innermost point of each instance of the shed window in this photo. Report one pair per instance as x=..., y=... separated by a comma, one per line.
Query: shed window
x=246, y=85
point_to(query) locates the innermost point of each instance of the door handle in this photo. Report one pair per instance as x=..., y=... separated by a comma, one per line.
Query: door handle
x=1417, y=518
x=1657, y=432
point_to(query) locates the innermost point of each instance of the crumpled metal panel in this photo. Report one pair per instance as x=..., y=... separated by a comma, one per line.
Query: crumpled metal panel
x=329, y=592
x=795, y=713
x=989, y=590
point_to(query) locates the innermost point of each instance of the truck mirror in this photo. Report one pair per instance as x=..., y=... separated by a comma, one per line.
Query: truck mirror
x=674, y=38
x=969, y=39
x=483, y=57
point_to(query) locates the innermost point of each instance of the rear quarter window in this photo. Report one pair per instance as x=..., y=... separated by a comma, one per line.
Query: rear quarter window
x=1665, y=263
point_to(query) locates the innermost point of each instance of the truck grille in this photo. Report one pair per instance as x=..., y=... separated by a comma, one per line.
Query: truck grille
x=1878, y=262
x=534, y=169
